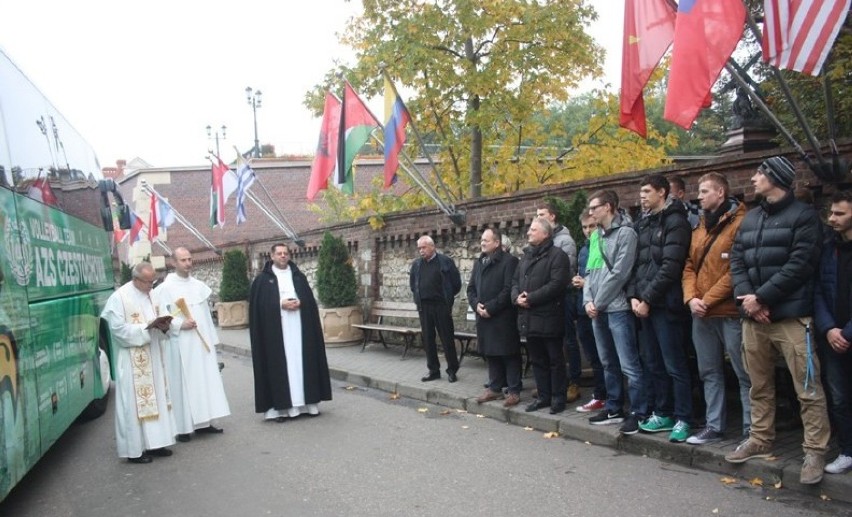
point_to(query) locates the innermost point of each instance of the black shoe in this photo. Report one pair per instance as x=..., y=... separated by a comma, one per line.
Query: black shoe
x=431, y=377
x=280, y=419
x=536, y=405
x=141, y=459
x=162, y=452
x=630, y=425
x=557, y=408
x=184, y=437
x=210, y=430
x=451, y=376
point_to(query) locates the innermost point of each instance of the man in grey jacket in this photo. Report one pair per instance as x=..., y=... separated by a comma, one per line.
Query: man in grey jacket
x=612, y=253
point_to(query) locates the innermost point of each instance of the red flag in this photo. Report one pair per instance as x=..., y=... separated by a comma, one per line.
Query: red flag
x=153, y=220
x=706, y=33
x=649, y=27
x=326, y=156
x=40, y=191
x=798, y=34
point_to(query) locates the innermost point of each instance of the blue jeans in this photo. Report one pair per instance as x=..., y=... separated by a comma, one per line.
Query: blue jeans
x=572, y=347
x=586, y=336
x=713, y=337
x=838, y=385
x=661, y=345
x=615, y=335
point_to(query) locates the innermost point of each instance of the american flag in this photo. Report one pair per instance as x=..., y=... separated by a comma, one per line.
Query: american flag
x=798, y=34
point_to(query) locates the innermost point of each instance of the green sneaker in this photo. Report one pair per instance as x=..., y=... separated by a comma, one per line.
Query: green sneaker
x=680, y=432
x=656, y=424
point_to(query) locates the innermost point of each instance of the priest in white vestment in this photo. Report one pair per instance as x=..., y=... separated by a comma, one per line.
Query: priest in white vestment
x=143, y=418
x=192, y=368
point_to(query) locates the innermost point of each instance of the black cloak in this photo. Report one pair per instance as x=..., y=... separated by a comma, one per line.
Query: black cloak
x=271, y=384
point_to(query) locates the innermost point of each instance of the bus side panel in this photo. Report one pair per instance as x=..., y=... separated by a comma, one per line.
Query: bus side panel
x=20, y=444
x=65, y=338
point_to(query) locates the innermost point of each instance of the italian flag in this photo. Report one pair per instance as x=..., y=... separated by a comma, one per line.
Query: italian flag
x=356, y=126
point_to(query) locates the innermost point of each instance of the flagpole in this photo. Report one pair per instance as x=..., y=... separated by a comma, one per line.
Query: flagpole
x=785, y=88
x=181, y=219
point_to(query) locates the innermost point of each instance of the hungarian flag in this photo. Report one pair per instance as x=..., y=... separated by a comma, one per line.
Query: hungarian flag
x=224, y=183
x=649, y=27
x=40, y=191
x=356, y=125
x=324, y=160
x=153, y=219
x=798, y=34
x=706, y=34
x=396, y=118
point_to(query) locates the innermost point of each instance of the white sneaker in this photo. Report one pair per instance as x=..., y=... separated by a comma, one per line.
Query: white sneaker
x=839, y=465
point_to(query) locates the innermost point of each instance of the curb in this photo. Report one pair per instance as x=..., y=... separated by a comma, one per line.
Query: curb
x=656, y=446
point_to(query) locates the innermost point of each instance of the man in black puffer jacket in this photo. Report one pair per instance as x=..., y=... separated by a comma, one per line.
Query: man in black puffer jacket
x=773, y=261
x=656, y=297
x=538, y=291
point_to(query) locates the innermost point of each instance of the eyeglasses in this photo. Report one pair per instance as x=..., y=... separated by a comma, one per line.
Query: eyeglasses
x=589, y=226
x=146, y=282
x=592, y=208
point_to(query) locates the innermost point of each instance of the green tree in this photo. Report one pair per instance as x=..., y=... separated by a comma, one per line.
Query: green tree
x=126, y=273
x=478, y=70
x=235, y=283
x=336, y=282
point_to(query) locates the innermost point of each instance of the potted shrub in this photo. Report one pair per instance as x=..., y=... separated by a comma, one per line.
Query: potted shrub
x=337, y=291
x=234, y=291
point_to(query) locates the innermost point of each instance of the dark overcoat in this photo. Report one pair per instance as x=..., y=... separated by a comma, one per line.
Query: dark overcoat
x=543, y=273
x=271, y=383
x=491, y=285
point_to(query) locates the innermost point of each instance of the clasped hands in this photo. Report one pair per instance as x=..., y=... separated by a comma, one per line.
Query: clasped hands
x=290, y=304
x=482, y=311
x=754, y=309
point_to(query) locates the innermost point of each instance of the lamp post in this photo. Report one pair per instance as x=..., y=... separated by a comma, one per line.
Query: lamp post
x=210, y=135
x=254, y=98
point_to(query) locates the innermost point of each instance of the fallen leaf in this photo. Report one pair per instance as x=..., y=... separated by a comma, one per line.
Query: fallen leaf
x=445, y=412
x=778, y=484
x=588, y=443
x=715, y=510
x=465, y=427
x=480, y=416
x=394, y=395
x=771, y=458
x=461, y=411
x=728, y=480
x=552, y=434
x=755, y=482
x=824, y=497
x=351, y=388
x=423, y=410
x=528, y=429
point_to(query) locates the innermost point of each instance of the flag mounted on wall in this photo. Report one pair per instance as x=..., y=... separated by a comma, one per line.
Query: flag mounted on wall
x=356, y=125
x=397, y=118
x=649, y=27
x=798, y=34
x=706, y=34
x=326, y=156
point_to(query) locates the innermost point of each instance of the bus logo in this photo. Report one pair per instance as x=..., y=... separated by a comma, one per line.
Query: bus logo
x=19, y=251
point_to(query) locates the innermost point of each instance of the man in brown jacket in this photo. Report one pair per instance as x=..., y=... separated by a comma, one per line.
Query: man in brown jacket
x=708, y=291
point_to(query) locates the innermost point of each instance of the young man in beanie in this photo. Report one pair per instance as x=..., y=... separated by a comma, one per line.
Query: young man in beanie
x=773, y=262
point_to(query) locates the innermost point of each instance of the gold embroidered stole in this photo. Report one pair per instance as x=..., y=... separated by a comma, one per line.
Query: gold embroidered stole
x=140, y=362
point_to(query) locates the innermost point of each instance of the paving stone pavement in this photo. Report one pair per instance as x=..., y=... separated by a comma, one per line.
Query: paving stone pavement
x=383, y=369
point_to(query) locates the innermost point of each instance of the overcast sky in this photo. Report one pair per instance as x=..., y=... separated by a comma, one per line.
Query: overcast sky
x=144, y=79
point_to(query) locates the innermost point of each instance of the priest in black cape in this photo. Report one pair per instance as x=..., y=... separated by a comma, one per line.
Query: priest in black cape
x=287, y=348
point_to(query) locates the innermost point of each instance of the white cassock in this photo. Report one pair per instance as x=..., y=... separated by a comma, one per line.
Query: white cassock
x=291, y=329
x=195, y=383
x=143, y=417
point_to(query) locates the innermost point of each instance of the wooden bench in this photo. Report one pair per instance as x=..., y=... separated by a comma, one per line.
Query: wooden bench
x=386, y=309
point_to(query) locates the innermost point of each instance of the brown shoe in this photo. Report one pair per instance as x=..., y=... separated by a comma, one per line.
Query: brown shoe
x=573, y=393
x=812, y=469
x=513, y=399
x=747, y=450
x=488, y=396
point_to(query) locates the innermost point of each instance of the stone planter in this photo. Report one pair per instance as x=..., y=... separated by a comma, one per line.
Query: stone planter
x=233, y=315
x=337, y=326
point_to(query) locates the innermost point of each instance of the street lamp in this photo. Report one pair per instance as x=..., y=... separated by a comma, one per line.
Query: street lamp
x=211, y=135
x=254, y=98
